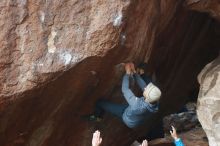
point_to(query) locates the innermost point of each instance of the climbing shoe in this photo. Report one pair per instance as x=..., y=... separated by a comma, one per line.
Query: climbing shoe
x=92, y=118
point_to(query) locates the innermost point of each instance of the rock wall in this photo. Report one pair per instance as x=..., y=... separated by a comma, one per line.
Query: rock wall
x=41, y=39
x=209, y=101
x=211, y=7
x=58, y=57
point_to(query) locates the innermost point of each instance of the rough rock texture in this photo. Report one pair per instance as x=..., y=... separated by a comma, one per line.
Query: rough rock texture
x=209, y=101
x=183, y=121
x=58, y=57
x=211, y=6
x=193, y=137
x=40, y=39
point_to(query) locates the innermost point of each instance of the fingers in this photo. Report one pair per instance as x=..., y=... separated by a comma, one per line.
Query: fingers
x=128, y=68
x=94, y=134
x=132, y=67
x=144, y=143
x=171, y=132
x=100, y=140
x=97, y=134
x=173, y=129
x=96, y=139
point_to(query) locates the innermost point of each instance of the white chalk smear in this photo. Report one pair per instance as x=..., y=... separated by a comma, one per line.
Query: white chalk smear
x=42, y=16
x=118, y=19
x=66, y=57
x=50, y=43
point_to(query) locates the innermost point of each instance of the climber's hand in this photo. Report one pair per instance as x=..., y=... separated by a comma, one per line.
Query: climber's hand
x=128, y=68
x=132, y=67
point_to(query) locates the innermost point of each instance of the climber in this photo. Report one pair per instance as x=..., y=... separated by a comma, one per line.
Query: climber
x=138, y=110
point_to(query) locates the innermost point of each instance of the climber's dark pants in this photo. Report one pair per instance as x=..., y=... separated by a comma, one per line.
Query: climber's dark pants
x=103, y=106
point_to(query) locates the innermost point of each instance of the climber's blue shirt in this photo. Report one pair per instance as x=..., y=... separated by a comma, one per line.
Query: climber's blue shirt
x=138, y=110
x=178, y=142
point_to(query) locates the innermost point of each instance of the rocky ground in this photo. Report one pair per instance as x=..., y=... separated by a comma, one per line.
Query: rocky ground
x=193, y=137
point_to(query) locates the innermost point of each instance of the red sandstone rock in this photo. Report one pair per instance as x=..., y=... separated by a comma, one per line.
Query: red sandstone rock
x=42, y=39
x=211, y=6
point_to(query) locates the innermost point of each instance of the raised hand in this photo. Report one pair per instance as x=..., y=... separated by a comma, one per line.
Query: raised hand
x=173, y=133
x=96, y=139
x=144, y=143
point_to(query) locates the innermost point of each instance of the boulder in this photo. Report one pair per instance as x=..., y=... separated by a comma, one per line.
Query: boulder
x=209, y=101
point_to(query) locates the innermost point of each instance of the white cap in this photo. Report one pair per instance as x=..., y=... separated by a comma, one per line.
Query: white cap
x=151, y=93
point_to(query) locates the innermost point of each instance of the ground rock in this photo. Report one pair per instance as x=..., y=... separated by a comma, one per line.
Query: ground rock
x=194, y=137
x=183, y=121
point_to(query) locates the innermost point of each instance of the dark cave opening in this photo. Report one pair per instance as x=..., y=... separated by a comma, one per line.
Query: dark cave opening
x=180, y=53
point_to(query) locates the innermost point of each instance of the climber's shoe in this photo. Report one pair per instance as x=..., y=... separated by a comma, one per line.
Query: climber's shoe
x=92, y=118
